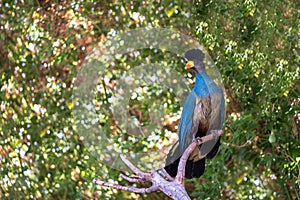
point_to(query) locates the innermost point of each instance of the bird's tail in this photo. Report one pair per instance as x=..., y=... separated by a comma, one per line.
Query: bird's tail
x=194, y=168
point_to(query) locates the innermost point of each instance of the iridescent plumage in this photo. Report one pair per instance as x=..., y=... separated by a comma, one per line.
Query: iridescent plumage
x=202, y=112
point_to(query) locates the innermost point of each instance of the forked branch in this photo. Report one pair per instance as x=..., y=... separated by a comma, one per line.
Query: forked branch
x=173, y=188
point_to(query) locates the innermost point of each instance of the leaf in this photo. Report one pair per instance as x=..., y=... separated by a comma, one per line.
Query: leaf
x=172, y=11
x=272, y=138
x=44, y=131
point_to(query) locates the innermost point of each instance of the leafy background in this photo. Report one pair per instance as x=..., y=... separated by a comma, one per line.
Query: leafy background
x=43, y=44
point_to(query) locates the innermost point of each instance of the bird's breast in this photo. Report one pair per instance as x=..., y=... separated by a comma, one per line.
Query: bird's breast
x=202, y=108
x=201, y=117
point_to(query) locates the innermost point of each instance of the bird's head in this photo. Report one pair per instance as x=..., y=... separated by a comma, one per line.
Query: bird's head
x=195, y=60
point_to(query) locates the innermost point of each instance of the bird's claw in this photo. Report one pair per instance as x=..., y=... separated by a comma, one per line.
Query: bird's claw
x=197, y=140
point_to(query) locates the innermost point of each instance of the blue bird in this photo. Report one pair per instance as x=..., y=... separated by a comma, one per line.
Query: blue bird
x=202, y=112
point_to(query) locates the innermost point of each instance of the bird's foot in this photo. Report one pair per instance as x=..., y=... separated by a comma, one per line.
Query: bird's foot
x=197, y=140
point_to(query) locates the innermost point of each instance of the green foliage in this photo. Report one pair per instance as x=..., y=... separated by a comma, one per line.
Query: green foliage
x=255, y=45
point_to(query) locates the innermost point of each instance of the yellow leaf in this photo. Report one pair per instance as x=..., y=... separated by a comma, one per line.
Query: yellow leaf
x=171, y=11
x=70, y=105
x=12, y=154
x=35, y=15
x=241, y=178
x=44, y=131
x=211, y=47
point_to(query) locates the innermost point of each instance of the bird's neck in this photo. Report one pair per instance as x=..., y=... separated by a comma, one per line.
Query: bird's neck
x=201, y=84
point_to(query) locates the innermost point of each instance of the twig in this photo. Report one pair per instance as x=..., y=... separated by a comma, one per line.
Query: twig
x=131, y=179
x=137, y=171
x=126, y=188
x=165, y=173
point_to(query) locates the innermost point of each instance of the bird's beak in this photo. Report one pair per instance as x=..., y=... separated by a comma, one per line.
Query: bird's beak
x=189, y=65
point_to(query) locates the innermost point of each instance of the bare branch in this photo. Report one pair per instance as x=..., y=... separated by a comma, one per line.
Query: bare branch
x=131, y=179
x=137, y=171
x=166, y=175
x=170, y=188
x=126, y=188
x=174, y=188
x=181, y=167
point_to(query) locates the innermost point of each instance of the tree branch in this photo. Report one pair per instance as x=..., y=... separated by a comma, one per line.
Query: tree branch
x=131, y=179
x=181, y=166
x=173, y=188
x=126, y=188
x=166, y=175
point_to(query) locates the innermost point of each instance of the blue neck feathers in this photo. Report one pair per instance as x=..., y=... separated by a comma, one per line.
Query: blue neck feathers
x=205, y=86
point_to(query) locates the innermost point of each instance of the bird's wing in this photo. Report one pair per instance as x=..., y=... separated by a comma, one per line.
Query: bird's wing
x=187, y=128
x=210, y=148
x=218, y=110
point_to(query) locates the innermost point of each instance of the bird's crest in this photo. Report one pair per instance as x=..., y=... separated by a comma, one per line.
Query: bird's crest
x=194, y=54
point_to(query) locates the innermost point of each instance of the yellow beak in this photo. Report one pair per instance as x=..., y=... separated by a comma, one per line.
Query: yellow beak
x=189, y=65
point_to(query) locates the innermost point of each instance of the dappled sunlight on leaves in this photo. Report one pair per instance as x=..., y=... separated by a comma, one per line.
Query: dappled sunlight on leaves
x=44, y=44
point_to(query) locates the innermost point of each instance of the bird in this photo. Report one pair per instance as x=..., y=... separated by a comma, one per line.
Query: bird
x=203, y=111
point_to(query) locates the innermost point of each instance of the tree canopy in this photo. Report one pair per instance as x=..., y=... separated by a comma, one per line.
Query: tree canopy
x=43, y=46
